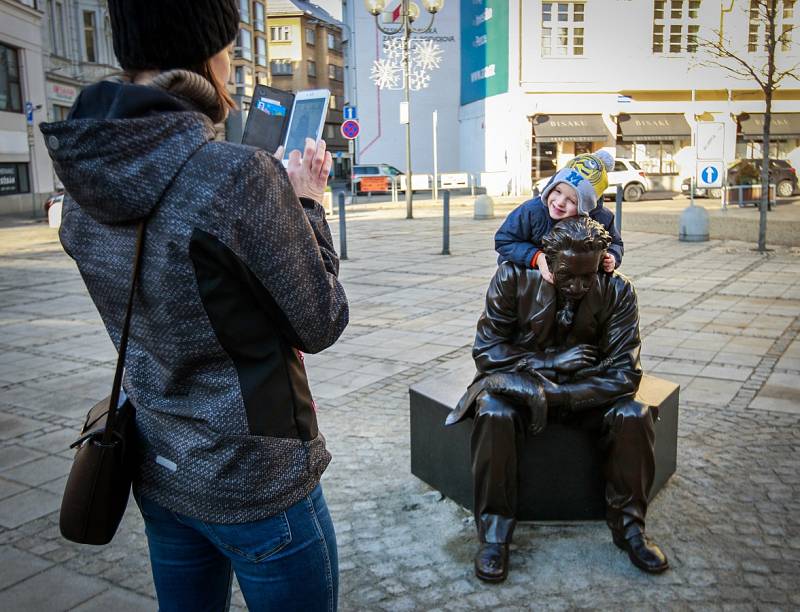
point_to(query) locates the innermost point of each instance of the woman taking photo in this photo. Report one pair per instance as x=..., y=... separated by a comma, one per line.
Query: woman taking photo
x=238, y=276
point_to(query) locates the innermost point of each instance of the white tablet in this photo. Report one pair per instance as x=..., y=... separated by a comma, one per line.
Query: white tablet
x=307, y=120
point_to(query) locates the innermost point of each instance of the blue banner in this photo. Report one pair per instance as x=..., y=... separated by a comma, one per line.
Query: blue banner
x=484, y=49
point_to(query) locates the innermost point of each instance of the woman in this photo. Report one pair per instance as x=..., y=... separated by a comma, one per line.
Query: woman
x=238, y=276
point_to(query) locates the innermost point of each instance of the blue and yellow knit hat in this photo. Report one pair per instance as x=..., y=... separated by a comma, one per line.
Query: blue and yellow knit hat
x=588, y=174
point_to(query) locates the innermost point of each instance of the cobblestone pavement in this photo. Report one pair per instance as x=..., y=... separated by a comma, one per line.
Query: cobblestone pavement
x=717, y=317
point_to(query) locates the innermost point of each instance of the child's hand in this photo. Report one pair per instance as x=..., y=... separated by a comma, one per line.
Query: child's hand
x=609, y=263
x=541, y=263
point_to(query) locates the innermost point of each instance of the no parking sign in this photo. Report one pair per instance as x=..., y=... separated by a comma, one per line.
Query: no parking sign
x=350, y=129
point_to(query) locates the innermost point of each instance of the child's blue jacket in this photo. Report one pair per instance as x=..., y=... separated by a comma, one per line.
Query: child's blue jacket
x=521, y=234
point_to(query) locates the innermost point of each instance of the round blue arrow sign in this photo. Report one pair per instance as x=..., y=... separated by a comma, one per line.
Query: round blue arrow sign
x=710, y=174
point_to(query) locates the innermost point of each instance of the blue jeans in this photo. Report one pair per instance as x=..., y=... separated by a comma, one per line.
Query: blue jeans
x=286, y=562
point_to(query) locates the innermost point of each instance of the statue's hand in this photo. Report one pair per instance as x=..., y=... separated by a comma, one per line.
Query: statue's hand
x=574, y=359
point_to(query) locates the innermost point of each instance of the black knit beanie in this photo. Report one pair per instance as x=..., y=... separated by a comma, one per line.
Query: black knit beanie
x=164, y=34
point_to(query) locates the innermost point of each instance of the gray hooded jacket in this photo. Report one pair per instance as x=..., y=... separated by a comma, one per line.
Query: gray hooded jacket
x=238, y=277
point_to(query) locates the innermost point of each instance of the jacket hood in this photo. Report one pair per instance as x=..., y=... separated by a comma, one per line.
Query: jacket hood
x=121, y=147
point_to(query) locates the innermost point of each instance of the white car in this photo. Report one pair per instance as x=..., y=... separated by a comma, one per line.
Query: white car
x=626, y=172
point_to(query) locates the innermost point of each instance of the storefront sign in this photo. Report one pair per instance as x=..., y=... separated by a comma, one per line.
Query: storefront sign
x=652, y=128
x=11, y=180
x=484, y=49
x=65, y=94
x=569, y=128
x=781, y=125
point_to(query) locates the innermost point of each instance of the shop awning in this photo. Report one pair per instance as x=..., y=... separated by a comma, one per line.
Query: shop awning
x=569, y=128
x=782, y=125
x=653, y=127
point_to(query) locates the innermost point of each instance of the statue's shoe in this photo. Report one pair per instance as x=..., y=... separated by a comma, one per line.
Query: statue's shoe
x=643, y=553
x=491, y=562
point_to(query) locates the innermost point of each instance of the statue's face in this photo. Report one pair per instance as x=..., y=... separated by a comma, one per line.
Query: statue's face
x=575, y=273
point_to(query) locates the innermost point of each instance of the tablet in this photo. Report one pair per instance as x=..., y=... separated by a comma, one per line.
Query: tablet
x=307, y=119
x=268, y=119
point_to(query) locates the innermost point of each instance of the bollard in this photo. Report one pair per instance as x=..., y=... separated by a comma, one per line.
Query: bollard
x=484, y=207
x=446, y=222
x=618, y=214
x=342, y=228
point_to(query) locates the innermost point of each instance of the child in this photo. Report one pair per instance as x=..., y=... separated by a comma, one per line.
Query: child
x=576, y=189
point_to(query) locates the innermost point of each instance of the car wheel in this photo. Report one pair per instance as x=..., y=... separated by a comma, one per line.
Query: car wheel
x=785, y=189
x=715, y=193
x=633, y=192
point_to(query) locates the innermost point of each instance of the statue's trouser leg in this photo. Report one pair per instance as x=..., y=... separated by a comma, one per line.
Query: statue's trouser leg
x=630, y=464
x=496, y=432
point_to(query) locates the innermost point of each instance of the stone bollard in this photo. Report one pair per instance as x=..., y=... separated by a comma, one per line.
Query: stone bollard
x=484, y=207
x=693, y=224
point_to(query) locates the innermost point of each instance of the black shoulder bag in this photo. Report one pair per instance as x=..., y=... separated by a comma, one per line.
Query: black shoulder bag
x=99, y=481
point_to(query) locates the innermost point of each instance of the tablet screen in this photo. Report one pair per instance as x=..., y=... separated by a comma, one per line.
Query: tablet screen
x=306, y=120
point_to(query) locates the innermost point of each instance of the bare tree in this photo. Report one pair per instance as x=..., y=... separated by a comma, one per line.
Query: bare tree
x=724, y=54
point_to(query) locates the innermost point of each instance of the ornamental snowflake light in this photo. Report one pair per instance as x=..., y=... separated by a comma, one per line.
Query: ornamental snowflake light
x=426, y=54
x=393, y=49
x=418, y=80
x=385, y=74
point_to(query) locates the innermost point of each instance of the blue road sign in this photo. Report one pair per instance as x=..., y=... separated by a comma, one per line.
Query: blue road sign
x=29, y=113
x=350, y=112
x=350, y=129
x=710, y=175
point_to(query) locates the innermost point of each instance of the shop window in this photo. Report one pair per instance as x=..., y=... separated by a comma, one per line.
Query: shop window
x=652, y=157
x=562, y=29
x=280, y=33
x=90, y=36
x=244, y=45
x=10, y=90
x=676, y=26
x=311, y=36
x=258, y=17
x=281, y=68
x=14, y=179
x=583, y=147
x=261, y=51
x=312, y=69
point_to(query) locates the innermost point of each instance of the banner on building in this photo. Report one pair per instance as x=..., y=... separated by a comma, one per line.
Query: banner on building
x=484, y=49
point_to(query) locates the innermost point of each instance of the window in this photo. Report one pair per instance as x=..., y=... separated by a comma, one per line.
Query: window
x=244, y=45
x=562, y=29
x=311, y=36
x=676, y=26
x=335, y=72
x=10, y=91
x=757, y=31
x=261, y=51
x=258, y=18
x=60, y=113
x=334, y=43
x=14, y=179
x=89, y=36
x=244, y=10
x=55, y=15
x=280, y=33
x=332, y=104
x=262, y=78
x=312, y=69
x=244, y=80
x=330, y=132
x=281, y=68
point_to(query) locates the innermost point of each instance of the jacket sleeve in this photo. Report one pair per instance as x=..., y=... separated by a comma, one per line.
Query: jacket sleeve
x=619, y=341
x=520, y=235
x=617, y=247
x=287, y=245
x=494, y=349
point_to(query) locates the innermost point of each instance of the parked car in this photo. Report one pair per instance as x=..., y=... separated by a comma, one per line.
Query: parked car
x=748, y=172
x=372, y=171
x=627, y=173
x=52, y=208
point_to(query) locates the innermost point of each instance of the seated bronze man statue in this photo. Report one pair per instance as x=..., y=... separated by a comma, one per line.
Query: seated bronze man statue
x=568, y=353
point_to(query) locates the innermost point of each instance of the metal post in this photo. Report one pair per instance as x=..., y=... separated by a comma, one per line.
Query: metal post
x=618, y=219
x=435, y=156
x=406, y=38
x=446, y=222
x=342, y=228
x=32, y=167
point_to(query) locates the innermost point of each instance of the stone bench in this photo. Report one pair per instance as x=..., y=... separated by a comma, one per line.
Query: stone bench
x=560, y=469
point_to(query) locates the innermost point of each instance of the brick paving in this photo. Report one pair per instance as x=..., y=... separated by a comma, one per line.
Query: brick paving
x=717, y=318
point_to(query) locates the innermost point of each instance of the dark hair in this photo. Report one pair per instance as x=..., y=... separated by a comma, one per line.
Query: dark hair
x=579, y=234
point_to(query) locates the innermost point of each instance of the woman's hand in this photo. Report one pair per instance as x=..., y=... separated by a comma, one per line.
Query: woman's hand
x=308, y=172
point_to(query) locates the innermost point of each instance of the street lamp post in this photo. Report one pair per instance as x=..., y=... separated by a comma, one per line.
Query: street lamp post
x=409, y=12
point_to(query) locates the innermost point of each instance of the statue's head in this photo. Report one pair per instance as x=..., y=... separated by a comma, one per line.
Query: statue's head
x=574, y=249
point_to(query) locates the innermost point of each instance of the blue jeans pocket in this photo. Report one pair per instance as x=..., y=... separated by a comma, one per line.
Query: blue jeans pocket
x=256, y=541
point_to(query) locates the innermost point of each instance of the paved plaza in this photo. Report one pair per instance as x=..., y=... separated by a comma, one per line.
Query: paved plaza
x=716, y=317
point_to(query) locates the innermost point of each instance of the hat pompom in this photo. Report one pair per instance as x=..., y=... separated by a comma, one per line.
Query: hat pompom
x=605, y=157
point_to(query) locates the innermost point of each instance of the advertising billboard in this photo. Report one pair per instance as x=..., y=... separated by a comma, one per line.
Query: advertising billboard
x=484, y=49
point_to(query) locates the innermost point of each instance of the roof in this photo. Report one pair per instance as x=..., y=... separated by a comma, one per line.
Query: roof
x=277, y=8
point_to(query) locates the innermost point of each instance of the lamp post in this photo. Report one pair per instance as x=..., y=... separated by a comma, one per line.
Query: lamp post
x=408, y=13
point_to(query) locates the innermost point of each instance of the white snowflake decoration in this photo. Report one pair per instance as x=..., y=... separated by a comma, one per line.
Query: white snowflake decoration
x=385, y=74
x=426, y=54
x=423, y=57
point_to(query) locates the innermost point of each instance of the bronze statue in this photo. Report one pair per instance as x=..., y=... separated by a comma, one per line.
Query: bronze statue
x=567, y=352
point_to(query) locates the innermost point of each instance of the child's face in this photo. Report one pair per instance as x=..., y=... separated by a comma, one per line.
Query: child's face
x=562, y=201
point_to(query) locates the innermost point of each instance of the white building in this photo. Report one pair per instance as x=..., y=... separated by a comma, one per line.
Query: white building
x=382, y=136
x=625, y=75
x=25, y=167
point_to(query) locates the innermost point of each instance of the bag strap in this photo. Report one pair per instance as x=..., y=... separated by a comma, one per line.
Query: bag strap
x=123, y=341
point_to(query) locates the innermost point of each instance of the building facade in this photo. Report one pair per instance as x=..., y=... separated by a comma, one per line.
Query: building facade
x=560, y=78
x=26, y=175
